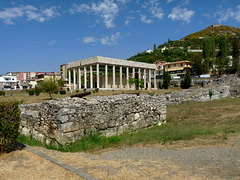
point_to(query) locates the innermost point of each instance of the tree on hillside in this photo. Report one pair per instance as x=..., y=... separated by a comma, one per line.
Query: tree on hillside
x=196, y=62
x=206, y=54
x=154, y=47
x=166, y=79
x=236, y=55
x=222, y=60
x=49, y=86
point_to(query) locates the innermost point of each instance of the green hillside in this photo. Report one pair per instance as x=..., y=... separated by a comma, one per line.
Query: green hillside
x=180, y=49
x=214, y=31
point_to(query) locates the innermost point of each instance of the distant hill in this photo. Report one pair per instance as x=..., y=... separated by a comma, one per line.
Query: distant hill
x=213, y=31
x=178, y=50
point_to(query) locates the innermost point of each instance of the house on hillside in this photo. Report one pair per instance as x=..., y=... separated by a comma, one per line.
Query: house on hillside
x=175, y=69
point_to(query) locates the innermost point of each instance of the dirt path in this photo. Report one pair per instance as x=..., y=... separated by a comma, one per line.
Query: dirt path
x=23, y=164
x=130, y=163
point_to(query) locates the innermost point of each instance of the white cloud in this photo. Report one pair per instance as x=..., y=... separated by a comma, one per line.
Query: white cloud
x=185, y=2
x=129, y=19
x=153, y=7
x=169, y=1
x=224, y=15
x=123, y=1
x=206, y=15
x=89, y=39
x=110, y=40
x=32, y=13
x=237, y=14
x=145, y=20
x=106, y=9
x=157, y=12
x=183, y=14
x=52, y=42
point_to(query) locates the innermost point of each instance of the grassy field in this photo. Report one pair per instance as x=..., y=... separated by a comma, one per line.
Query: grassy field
x=189, y=124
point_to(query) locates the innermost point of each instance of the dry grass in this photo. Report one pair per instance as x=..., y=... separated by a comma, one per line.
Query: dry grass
x=24, y=97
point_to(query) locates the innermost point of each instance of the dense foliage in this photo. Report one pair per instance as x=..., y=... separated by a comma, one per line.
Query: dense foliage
x=9, y=124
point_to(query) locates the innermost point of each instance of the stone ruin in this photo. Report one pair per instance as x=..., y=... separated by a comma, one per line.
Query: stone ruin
x=62, y=121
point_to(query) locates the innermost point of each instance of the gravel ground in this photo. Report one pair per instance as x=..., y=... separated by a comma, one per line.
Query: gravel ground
x=157, y=163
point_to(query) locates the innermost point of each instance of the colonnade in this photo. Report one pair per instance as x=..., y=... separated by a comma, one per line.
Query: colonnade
x=79, y=85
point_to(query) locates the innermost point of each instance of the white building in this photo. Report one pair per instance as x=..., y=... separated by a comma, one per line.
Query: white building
x=8, y=82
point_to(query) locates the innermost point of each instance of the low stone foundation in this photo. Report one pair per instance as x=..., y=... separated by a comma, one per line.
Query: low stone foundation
x=66, y=120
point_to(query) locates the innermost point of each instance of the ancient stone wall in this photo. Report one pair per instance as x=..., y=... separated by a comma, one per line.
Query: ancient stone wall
x=66, y=120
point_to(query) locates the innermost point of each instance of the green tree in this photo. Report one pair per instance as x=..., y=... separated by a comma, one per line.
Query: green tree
x=166, y=79
x=236, y=56
x=206, y=54
x=154, y=47
x=49, y=86
x=138, y=83
x=60, y=83
x=186, y=83
x=196, y=62
x=222, y=60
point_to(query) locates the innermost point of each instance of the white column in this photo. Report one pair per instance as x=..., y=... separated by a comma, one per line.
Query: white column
x=139, y=74
x=133, y=76
x=79, y=79
x=106, y=76
x=69, y=79
x=121, y=77
x=144, y=77
x=97, y=75
x=149, y=78
x=85, y=77
x=114, y=80
x=74, y=78
x=91, y=77
x=155, y=80
x=127, y=77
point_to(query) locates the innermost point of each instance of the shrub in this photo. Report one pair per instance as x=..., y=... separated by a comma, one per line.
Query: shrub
x=151, y=93
x=31, y=92
x=210, y=94
x=37, y=91
x=63, y=91
x=84, y=90
x=56, y=91
x=2, y=93
x=93, y=91
x=9, y=121
x=68, y=89
x=77, y=90
x=97, y=89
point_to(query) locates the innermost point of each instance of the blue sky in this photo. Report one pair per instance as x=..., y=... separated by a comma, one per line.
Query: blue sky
x=39, y=35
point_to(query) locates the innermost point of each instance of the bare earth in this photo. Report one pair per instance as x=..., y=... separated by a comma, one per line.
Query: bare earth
x=214, y=162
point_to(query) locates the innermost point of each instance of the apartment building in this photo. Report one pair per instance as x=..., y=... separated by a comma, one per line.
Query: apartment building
x=8, y=82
